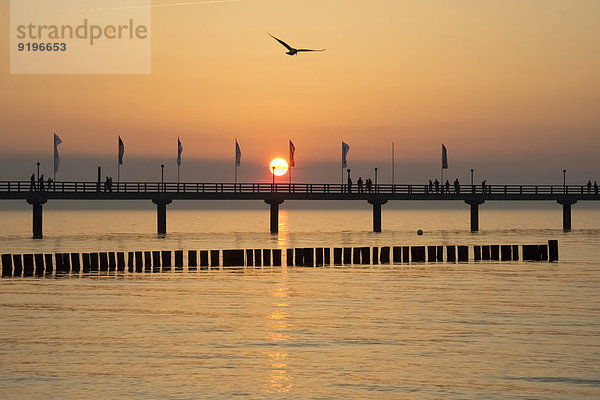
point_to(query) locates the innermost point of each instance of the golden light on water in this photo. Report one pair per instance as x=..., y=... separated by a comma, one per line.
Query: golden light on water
x=278, y=167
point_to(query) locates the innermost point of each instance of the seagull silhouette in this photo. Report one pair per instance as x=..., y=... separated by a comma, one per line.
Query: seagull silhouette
x=292, y=51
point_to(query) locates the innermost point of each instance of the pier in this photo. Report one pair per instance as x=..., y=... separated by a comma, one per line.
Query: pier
x=163, y=194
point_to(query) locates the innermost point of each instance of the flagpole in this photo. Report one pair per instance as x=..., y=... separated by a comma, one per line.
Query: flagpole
x=236, y=165
x=178, y=175
x=393, y=177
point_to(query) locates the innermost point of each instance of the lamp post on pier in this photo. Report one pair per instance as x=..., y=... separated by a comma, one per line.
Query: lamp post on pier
x=162, y=176
x=565, y=180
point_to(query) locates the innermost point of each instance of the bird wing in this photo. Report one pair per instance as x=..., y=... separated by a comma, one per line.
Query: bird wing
x=287, y=46
x=309, y=50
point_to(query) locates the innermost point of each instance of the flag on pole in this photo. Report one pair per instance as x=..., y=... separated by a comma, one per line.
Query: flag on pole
x=57, y=141
x=179, y=151
x=345, y=149
x=444, y=157
x=238, y=154
x=121, y=151
x=292, y=151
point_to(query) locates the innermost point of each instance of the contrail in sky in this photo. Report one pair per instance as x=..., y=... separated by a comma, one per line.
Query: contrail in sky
x=178, y=4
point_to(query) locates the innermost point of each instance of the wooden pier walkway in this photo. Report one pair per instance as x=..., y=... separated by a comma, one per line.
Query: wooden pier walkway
x=164, y=193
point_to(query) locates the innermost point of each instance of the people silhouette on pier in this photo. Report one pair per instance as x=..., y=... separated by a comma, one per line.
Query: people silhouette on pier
x=41, y=183
x=110, y=182
x=456, y=186
x=437, y=186
x=483, y=187
x=359, y=183
x=589, y=187
x=595, y=187
x=447, y=186
x=32, y=183
x=349, y=183
x=50, y=182
x=430, y=186
x=369, y=184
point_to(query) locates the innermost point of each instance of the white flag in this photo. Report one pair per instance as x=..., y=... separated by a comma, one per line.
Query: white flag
x=57, y=141
x=345, y=149
x=238, y=154
x=444, y=157
x=179, y=150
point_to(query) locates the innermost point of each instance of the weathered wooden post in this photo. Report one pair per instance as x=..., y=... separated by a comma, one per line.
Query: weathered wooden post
x=375, y=255
x=505, y=252
x=319, y=257
x=327, y=256
x=289, y=257
x=431, y=254
x=417, y=254
x=266, y=257
x=17, y=265
x=356, y=252
x=384, y=255
x=553, y=250
x=451, y=254
x=214, y=258
x=7, y=265
x=397, y=254
x=337, y=256
x=463, y=253
x=249, y=257
x=192, y=260
x=277, y=257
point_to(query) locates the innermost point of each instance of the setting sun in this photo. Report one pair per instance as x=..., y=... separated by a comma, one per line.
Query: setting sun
x=278, y=166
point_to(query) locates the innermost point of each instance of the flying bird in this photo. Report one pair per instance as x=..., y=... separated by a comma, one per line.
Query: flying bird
x=292, y=51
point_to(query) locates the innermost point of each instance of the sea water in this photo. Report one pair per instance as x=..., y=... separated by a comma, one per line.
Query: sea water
x=494, y=330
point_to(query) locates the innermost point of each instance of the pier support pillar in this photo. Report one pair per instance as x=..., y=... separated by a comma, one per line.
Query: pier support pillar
x=274, y=203
x=37, y=217
x=567, y=213
x=161, y=215
x=377, y=214
x=474, y=213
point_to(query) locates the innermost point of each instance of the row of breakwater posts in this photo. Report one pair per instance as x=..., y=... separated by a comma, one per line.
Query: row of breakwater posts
x=162, y=194
x=39, y=265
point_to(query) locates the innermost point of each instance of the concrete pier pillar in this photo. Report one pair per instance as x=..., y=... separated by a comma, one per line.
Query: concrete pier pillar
x=567, y=213
x=377, y=213
x=474, y=213
x=274, y=203
x=161, y=215
x=37, y=217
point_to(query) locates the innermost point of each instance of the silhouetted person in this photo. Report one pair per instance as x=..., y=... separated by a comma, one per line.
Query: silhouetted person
x=595, y=187
x=430, y=186
x=456, y=186
x=483, y=186
x=369, y=184
x=106, y=184
x=41, y=183
x=589, y=187
x=349, y=184
x=50, y=181
x=32, y=183
x=437, y=186
x=447, y=185
x=110, y=184
x=359, y=183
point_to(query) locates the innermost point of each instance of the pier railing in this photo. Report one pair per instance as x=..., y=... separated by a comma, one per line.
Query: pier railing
x=301, y=188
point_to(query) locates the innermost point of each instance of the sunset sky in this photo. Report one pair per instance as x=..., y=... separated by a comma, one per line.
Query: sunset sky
x=512, y=88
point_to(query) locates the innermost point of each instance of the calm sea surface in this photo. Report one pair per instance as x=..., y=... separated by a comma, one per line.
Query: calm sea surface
x=480, y=330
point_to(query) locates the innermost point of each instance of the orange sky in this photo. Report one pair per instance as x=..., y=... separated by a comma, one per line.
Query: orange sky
x=491, y=79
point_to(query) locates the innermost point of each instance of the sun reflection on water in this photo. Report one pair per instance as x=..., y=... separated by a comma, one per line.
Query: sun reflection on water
x=280, y=379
